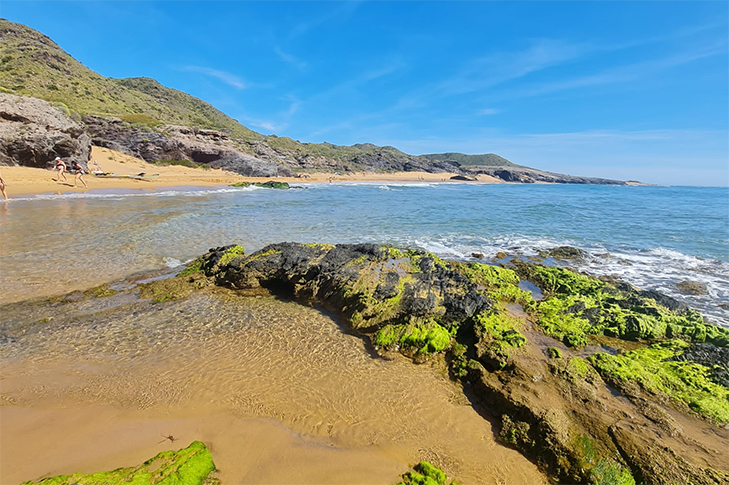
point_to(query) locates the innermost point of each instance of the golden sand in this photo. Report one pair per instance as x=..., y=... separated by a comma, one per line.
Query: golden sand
x=26, y=180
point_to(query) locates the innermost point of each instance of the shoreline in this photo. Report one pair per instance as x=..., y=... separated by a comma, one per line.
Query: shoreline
x=24, y=181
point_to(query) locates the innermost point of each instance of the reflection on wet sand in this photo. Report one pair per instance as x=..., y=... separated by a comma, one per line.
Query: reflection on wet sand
x=279, y=392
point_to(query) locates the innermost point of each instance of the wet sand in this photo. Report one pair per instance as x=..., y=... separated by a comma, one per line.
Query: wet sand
x=26, y=180
x=278, y=391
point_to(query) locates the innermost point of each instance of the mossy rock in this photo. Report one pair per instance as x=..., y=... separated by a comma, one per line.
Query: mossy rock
x=652, y=368
x=424, y=473
x=692, y=288
x=189, y=466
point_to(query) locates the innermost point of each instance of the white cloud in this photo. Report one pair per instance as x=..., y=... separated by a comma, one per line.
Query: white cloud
x=226, y=77
x=289, y=59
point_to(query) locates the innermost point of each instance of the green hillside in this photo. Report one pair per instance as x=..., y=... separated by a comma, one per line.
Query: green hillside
x=31, y=64
x=487, y=160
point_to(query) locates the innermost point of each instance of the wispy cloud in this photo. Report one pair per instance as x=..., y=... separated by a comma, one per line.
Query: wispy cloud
x=226, y=77
x=488, y=112
x=289, y=59
x=497, y=68
x=341, y=13
x=629, y=72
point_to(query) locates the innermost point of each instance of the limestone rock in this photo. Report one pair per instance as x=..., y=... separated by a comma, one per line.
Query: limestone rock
x=33, y=132
x=171, y=142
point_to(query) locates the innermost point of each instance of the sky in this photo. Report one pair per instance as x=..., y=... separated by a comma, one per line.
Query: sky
x=632, y=91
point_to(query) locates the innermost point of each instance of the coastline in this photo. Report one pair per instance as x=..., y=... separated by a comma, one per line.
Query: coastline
x=23, y=181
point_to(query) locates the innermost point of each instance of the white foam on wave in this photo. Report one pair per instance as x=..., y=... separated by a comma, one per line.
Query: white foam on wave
x=171, y=262
x=116, y=194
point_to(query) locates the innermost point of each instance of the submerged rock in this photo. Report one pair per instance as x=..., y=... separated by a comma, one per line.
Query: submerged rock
x=692, y=288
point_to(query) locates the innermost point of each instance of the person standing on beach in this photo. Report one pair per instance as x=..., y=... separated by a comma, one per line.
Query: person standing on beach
x=2, y=187
x=79, y=171
x=61, y=167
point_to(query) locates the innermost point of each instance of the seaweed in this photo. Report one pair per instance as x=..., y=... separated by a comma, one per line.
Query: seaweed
x=189, y=466
x=651, y=369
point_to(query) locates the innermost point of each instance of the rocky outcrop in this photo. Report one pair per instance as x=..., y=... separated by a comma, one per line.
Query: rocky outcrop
x=210, y=147
x=33, y=132
x=531, y=175
x=595, y=409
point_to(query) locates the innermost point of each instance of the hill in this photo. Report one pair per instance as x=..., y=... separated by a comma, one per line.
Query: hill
x=120, y=113
x=486, y=160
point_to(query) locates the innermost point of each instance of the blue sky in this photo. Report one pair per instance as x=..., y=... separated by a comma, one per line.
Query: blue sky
x=612, y=89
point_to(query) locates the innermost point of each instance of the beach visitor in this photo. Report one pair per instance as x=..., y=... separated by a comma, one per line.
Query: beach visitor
x=95, y=165
x=2, y=187
x=61, y=167
x=79, y=171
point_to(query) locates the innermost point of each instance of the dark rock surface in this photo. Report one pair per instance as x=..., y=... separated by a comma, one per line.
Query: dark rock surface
x=33, y=132
x=532, y=175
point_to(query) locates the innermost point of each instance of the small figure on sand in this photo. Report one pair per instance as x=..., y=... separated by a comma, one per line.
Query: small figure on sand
x=95, y=167
x=61, y=167
x=79, y=171
x=2, y=187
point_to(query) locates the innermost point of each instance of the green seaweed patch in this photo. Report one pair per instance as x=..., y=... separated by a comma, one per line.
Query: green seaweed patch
x=261, y=255
x=191, y=268
x=424, y=473
x=100, y=292
x=557, y=322
x=686, y=383
x=189, y=466
x=601, y=471
x=416, y=256
x=231, y=254
x=322, y=246
x=553, y=280
x=574, y=369
x=610, y=472
x=421, y=338
x=500, y=329
x=502, y=284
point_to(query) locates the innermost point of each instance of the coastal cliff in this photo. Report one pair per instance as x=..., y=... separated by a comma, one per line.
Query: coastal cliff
x=141, y=117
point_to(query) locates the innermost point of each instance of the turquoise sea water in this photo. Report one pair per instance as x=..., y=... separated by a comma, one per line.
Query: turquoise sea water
x=652, y=237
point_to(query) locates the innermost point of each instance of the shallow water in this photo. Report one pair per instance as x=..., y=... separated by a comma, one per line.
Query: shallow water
x=652, y=237
x=247, y=357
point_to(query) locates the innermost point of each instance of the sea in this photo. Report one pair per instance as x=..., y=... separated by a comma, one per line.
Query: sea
x=651, y=237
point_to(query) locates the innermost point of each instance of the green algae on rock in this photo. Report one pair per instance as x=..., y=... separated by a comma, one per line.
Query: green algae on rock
x=554, y=404
x=424, y=473
x=651, y=370
x=577, y=306
x=189, y=466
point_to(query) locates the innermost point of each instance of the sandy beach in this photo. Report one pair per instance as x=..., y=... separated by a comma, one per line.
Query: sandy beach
x=25, y=180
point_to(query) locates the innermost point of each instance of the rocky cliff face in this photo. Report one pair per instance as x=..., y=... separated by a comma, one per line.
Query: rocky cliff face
x=33, y=132
x=171, y=142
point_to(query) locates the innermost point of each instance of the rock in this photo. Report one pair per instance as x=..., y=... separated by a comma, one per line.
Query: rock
x=566, y=252
x=692, y=288
x=553, y=405
x=668, y=302
x=463, y=178
x=33, y=133
x=477, y=255
x=171, y=142
x=190, y=466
